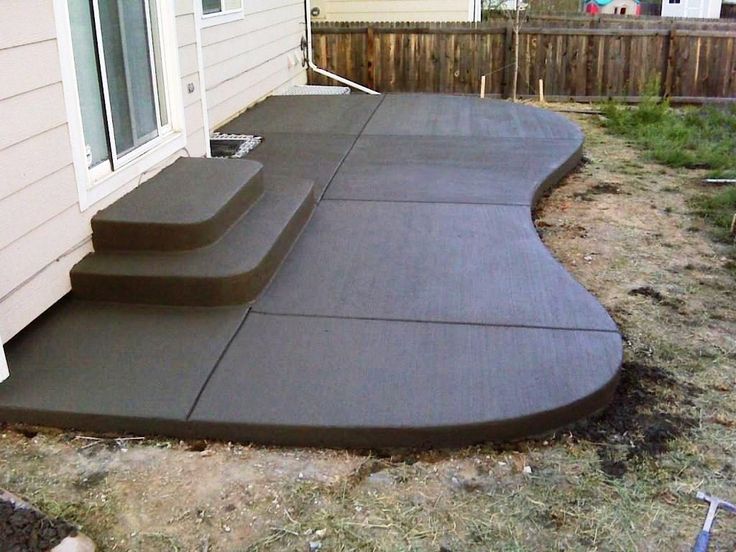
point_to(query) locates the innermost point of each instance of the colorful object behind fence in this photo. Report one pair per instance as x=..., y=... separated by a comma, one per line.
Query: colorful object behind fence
x=617, y=7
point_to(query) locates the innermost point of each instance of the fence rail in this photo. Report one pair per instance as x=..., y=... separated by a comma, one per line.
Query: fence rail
x=579, y=58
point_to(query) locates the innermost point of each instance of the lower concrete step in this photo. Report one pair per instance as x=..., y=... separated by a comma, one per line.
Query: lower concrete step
x=187, y=205
x=233, y=270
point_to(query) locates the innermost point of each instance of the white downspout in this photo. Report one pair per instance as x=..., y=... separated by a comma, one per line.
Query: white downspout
x=202, y=83
x=313, y=66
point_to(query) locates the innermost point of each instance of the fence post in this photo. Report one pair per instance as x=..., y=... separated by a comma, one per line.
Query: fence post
x=669, y=61
x=370, y=57
x=508, y=43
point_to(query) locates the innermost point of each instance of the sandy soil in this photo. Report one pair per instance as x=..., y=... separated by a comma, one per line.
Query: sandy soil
x=622, y=481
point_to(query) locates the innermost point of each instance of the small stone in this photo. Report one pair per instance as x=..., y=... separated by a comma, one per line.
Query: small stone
x=314, y=546
x=527, y=469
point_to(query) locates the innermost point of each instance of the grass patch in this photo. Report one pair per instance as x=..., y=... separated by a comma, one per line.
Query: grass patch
x=717, y=209
x=693, y=138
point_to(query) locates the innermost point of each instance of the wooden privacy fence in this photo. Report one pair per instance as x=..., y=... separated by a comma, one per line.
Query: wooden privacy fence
x=588, y=59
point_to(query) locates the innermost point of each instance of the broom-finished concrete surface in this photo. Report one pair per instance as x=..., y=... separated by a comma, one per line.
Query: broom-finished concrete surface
x=418, y=308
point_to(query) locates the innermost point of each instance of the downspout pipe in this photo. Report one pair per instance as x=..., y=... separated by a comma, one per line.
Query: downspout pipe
x=313, y=66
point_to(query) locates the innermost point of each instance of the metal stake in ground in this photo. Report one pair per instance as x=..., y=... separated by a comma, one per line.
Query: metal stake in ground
x=701, y=543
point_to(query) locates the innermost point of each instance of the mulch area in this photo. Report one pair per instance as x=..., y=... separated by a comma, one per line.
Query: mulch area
x=23, y=529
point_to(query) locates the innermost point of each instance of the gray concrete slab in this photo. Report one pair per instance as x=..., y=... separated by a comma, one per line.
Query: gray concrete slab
x=435, y=115
x=375, y=383
x=476, y=264
x=409, y=313
x=109, y=366
x=452, y=169
x=314, y=157
x=307, y=115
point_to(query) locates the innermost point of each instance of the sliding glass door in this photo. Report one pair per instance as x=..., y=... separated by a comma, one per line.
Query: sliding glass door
x=120, y=78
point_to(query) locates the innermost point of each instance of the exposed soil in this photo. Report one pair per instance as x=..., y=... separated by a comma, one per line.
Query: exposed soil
x=26, y=530
x=646, y=415
x=623, y=480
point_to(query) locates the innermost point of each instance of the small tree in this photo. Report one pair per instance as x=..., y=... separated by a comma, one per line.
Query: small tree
x=511, y=10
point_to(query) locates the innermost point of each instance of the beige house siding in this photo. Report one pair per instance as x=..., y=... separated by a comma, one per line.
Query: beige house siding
x=394, y=10
x=248, y=59
x=43, y=231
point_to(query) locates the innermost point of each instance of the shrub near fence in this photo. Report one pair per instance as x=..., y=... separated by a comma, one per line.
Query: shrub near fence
x=582, y=58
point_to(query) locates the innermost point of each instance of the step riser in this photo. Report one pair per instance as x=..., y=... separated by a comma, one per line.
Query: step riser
x=184, y=291
x=121, y=236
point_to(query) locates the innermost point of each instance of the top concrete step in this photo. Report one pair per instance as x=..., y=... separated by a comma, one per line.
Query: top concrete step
x=188, y=205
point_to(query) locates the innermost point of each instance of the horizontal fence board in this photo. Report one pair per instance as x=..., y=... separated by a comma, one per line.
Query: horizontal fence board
x=583, y=57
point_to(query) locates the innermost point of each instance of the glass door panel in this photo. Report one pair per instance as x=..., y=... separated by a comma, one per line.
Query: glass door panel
x=124, y=28
x=89, y=82
x=158, y=64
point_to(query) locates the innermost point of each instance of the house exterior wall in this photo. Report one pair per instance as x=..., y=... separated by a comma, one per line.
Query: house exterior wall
x=248, y=59
x=44, y=229
x=707, y=9
x=394, y=10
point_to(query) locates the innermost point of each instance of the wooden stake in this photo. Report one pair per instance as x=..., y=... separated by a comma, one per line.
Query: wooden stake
x=483, y=86
x=541, y=91
x=733, y=225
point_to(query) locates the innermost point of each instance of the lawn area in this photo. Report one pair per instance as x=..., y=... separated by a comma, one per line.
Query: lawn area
x=693, y=138
x=641, y=236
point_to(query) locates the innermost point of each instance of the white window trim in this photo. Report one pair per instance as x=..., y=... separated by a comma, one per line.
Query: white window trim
x=147, y=157
x=474, y=10
x=218, y=18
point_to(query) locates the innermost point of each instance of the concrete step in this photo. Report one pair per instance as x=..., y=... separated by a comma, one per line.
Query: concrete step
x=190, y=204
x=233, y=270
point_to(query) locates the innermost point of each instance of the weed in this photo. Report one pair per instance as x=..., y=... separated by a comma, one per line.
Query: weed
x=717, y=209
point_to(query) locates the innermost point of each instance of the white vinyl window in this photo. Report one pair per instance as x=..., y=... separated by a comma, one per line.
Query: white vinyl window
x=120, y=73
x=215, y=12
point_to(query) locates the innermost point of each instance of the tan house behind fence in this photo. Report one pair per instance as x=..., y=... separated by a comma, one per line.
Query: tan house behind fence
x=395, y=10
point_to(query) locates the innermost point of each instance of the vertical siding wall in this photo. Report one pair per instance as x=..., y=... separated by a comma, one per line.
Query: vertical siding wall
x=248, y=59
x=43, y=233
x=397, y=10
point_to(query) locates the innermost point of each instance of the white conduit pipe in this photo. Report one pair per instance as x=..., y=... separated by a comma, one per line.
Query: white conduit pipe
x=313, y=66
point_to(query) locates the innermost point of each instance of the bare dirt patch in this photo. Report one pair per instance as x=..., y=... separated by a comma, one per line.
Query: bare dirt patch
x=623, y=480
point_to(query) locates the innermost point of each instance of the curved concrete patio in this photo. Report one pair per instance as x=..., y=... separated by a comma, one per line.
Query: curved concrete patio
x=418, y=308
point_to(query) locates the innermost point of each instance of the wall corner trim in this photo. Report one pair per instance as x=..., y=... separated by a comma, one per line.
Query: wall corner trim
x=4, y=372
